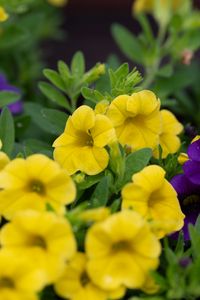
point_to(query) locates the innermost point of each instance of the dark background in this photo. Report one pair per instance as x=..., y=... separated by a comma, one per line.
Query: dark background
x=86, y=24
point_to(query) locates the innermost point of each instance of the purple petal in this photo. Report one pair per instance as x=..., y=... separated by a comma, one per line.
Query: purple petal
x=183, y=186
x=191, y=217
x=192, y=171
x=194, y=151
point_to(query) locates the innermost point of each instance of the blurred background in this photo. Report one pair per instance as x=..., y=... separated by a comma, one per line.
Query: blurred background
x=86, y=26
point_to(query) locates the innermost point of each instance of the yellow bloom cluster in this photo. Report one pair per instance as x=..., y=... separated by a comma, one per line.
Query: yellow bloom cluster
x=135, y=121
x=121, y=249
x=115, y=259
x=36, y=243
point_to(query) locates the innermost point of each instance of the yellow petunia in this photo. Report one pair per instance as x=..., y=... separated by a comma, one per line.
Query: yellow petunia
x=82, y=145
x=148, y=5
x=3, y=15
x=151, y=195
x=137, y=119
x=19, y=280
x=44, y=238
x=58, y=3
x=33, y=183
x=168, y=139
x=121, y=251
x=75, y=283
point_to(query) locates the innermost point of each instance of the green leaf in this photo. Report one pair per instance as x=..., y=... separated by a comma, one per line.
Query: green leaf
x=37, y=146
x=7, y=131
x=21, y=125
x=64, y=70
x=56, y=119
x=146, y=26
x=93, y=95
x=165, y=71
x=54, y=95
x=195, y=240
x=100, y=195
x=135, y=162
x=197, y=224
x=180, y=244
x=115, y=206
x=49, y=120
x=7, y=97
x=170, y=256
x=182, y=77
x=78, y=64
x=55, y=78
x=128, y=43
x=89, y=181
x=19, y=36
x=122, y=71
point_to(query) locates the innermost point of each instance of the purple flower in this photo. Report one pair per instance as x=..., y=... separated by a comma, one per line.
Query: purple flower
x=187, y=185
x=15, y=107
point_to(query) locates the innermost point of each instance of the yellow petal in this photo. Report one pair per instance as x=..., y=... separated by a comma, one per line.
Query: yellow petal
x=83, y=118
x=103, y=132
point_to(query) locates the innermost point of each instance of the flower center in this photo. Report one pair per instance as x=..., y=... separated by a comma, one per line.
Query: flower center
x=89, y=141
x=120, y=246
x=136, y=120
x=6, y=282
x=37, y=186
x=38, y=241
x=192, y=200
x=85, y=139
x=84, y=279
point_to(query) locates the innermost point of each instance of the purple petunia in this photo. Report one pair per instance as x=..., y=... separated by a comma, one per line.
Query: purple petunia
x=187, y=185
x=15, y=107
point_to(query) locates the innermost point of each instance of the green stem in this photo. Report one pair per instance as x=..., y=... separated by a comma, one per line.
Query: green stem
x=151, y=72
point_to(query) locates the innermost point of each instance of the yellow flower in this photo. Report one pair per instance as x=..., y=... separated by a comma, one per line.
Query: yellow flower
x=101, y=107
x=75, y=283
x=45, y=238
x=3, y=15
x=148, y=5
x=33, y=183
x=168, y=139
x=151, y=195
x=121, y=251
x=19, y=280
x=95, y=214
x=58, y=3
x=137, y=119
x=81, y=146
